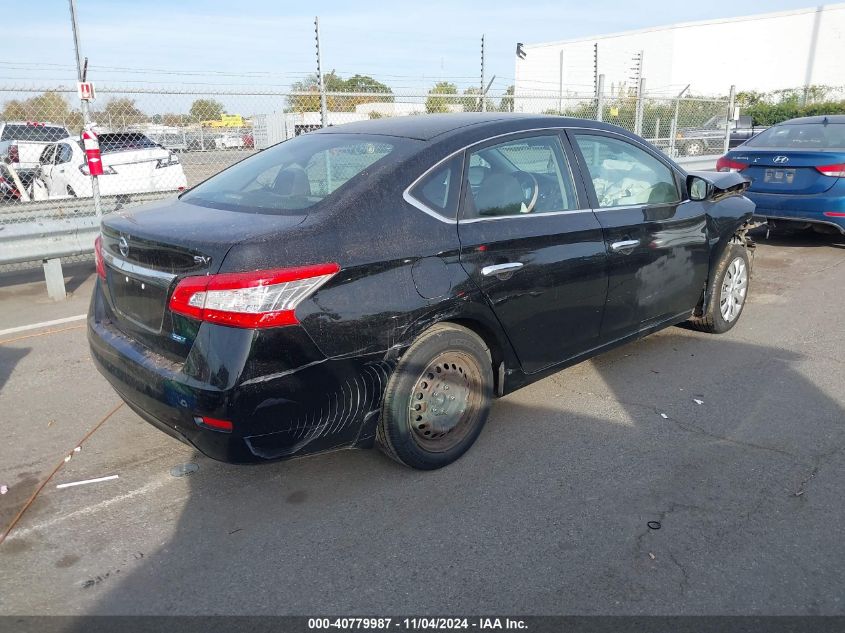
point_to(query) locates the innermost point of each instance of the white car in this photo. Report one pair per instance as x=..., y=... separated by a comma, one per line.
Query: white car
x=132, y=163
x=229, y=141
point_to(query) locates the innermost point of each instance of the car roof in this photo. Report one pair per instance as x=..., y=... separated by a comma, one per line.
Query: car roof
x=427, y=127
x=829, y=118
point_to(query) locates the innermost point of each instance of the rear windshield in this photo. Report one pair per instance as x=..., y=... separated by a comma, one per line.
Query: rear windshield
x=33, y=132
x=802, y=136
x=119, y=142
x=294, y=175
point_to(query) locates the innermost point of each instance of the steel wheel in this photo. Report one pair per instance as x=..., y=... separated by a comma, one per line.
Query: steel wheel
x=694, y=149
x=442, y=401
x=734, y=289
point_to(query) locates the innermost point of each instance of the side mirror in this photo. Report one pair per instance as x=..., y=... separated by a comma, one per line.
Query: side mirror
x=699, y=189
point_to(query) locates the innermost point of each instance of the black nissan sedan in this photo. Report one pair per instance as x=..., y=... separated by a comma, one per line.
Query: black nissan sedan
x=380, y=282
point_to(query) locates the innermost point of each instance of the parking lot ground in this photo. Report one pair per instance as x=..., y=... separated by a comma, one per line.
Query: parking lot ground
x=547, y=514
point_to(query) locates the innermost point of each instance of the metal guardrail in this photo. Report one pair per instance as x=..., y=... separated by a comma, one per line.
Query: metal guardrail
x=56, y=228
x=53, y=229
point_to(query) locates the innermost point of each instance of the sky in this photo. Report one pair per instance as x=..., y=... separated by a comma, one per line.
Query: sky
x=229, y=45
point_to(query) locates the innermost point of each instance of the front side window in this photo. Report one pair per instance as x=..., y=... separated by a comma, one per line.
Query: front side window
x=523, y=176
x=294, y=175
x=623, y=174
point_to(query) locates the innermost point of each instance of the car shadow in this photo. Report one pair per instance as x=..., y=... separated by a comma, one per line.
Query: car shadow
x=548, y=513
x=9, y=358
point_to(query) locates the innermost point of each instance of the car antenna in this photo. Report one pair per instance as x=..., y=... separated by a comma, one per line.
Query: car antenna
x=825, y=121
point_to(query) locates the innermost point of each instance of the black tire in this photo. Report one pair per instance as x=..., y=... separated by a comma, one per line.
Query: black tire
x=713, y=320
x=412, y=429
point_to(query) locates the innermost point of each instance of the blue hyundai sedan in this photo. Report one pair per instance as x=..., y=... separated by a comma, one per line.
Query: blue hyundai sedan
x=797, y=172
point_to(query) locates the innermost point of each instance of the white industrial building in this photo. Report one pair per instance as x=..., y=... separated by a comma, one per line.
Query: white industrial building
x=764, y=52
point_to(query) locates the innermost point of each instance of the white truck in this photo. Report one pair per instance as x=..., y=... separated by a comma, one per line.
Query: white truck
x=22, y=142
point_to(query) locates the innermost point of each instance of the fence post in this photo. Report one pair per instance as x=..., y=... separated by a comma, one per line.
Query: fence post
x=673, y=129
x=638, y=116
x=600, y=99
x=324, y=116
x=729, y=118
x=560, y=85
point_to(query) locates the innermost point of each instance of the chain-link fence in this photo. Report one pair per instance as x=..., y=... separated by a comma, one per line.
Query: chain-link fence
x=155, y=143
x=160, y=142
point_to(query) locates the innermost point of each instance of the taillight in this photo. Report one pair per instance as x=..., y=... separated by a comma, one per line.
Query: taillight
x=213, y=423
x=726, y=164
x=14, y=154
x=837, y=171
x=258, y=299
x=834, y=214
x=98, y=257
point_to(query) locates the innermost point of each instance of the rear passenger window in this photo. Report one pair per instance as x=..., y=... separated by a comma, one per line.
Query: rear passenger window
x=439, y=189
x=623, y=174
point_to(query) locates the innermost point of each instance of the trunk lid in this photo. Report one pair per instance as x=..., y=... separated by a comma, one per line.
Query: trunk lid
x=787, y=171
x=148, y=250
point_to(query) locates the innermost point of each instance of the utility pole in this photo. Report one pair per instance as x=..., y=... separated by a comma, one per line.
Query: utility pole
x=324, y=117
x=82, y=71
x=483, y=100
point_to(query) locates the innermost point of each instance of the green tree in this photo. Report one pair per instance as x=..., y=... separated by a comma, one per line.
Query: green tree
x=436, y=102
x=206, y=110
x=506, y=102
x=48, y=106
x=119, y=113
x=308, y=97
x=472, y=101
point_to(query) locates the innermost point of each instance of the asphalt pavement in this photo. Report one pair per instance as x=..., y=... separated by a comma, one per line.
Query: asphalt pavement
x=733, y=444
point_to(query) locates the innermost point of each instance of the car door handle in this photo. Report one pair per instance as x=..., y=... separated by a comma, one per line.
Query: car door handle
x=625, y=246
x=498, y=269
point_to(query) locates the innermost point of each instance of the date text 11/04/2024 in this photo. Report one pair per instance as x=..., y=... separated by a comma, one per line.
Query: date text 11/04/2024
x=415, y=624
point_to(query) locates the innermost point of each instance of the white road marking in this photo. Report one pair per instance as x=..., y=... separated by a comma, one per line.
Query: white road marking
x=36, y=326
x=86, y=481
x=93, y=509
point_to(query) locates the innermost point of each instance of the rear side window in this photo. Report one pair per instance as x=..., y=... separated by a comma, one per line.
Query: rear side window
x=440, y=188
x=624, y=174
x=294, y=175
x=47, y=155
x=33, y=132
x=65, y=153
x=802, y=136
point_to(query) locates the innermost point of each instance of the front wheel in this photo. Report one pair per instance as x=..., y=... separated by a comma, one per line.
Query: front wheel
x=727, y=291
x=437, y=399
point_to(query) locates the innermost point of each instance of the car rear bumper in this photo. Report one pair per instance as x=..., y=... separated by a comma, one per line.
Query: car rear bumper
x=315, y=406
x=795, y=208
